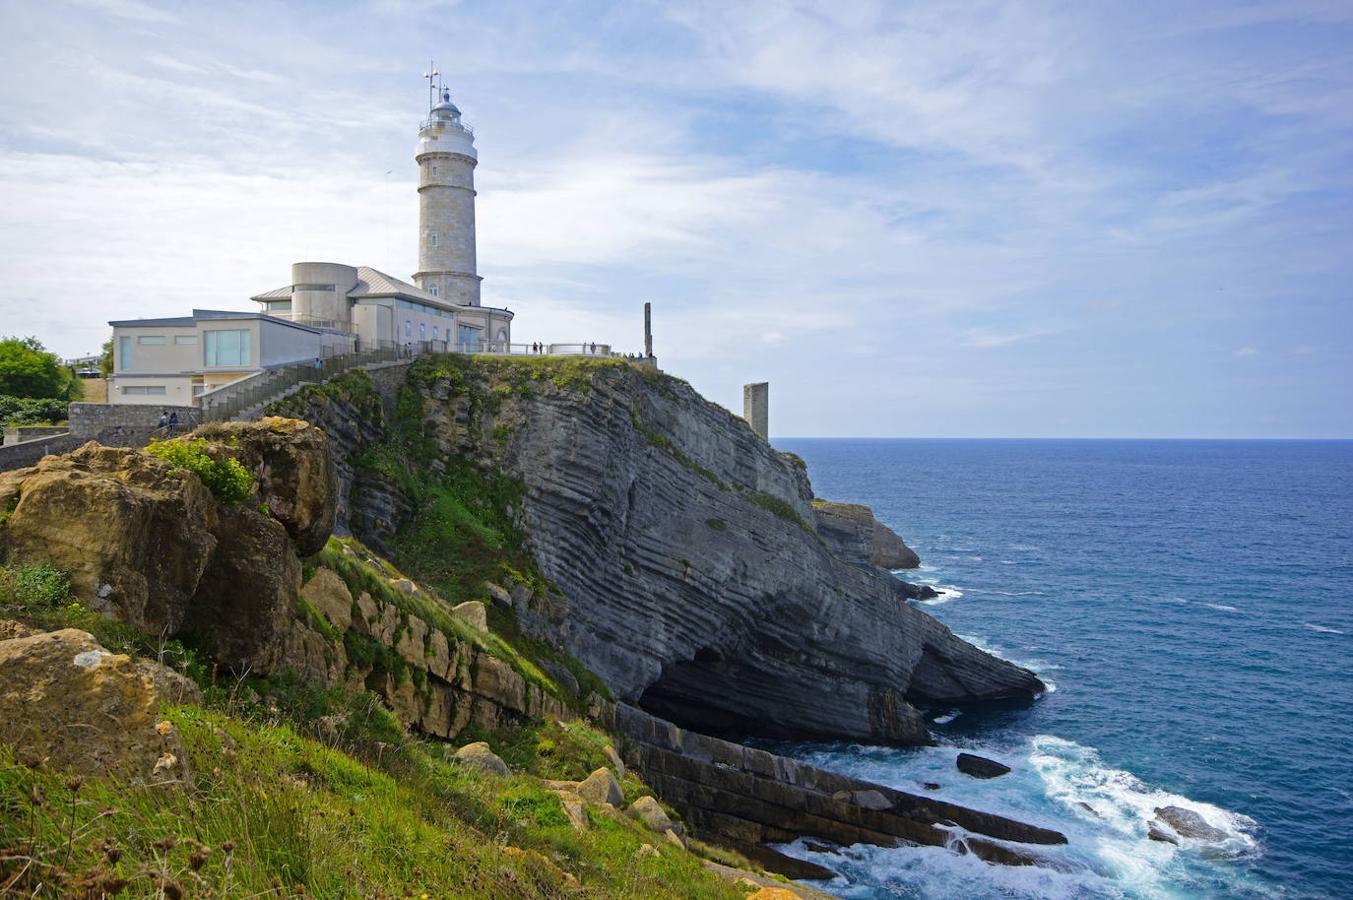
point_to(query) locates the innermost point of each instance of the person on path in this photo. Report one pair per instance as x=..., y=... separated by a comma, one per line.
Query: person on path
x=173, y=422
x=163, y=423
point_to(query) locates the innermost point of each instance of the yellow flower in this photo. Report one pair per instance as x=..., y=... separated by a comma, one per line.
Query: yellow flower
x=164, y=727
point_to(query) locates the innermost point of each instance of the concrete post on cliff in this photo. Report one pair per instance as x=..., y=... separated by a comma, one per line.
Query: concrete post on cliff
x=648, y=330
x=756, y=407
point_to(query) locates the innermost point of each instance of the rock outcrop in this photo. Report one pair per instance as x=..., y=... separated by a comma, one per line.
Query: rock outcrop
x=67, y=702
x=980, y=766
x=855, y=536
x=746, y=797
x=694, y=580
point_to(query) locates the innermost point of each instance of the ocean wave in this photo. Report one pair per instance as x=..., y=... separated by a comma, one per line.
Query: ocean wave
x=1221, y=606
x=1323, y=629
x=1075, y=777
x=948, y=717
x=1106, y=814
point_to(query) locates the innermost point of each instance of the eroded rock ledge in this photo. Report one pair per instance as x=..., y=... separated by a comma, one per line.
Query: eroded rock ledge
x=747, y=797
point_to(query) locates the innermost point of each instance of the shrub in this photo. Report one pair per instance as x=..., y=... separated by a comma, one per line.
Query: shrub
x=227, y=479
x=31, y=410
x=36, y=586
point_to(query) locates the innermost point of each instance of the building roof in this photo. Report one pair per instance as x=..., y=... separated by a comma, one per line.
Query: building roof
x=207, y=315
x=372, y=283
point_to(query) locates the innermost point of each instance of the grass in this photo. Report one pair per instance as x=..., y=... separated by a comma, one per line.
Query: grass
x=273, y=812
x=227, y=478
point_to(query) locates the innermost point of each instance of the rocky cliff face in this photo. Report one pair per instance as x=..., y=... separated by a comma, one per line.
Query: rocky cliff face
x=694, y=574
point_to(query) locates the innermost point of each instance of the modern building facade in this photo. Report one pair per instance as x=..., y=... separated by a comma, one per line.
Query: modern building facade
x=173, y=361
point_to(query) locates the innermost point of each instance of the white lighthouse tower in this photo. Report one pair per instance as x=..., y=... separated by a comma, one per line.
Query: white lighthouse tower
x=446, y=159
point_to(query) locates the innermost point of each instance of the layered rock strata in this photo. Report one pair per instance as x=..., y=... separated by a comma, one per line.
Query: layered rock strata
x=694, y=579
x=747, y=797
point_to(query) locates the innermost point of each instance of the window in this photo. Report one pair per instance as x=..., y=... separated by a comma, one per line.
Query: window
x=124, y=353
x=227, y=348
x=434, y=332
x=434, y=170
x=432, y=239
x=144, y=389
x=151, y=340
x=311, y=287
x=422, y=331
x=468, y=338
x=432, y=289
x=278, y=306
x=408, y=328
x=185, y=339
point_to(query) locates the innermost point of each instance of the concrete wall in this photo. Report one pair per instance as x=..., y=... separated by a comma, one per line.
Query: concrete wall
x=178, y=390
x=180, y=351
x=29, y=452
x=756, y=407
x=20, y=433
x=123, y=424
x=329, y=306
x=281, y=344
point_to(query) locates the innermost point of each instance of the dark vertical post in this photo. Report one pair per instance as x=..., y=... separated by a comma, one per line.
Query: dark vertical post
x=648, y=330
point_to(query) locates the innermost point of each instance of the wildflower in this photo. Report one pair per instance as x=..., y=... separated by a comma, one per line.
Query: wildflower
x=164, y=727
x=168, y=842
x=74, y=783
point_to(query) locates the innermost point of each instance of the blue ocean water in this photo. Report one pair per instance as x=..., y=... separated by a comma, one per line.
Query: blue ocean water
x=1190, y=604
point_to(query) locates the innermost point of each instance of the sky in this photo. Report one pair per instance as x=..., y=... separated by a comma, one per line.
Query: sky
x=960, y=219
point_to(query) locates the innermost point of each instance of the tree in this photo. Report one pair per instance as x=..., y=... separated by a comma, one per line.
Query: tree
x=28, y=370
x=106, y=358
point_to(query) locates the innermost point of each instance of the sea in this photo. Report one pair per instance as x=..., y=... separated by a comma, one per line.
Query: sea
x=1189, y=604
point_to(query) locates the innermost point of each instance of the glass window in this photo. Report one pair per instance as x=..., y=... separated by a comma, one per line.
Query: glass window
x=422, y=331
x=185, y=339
x=433, y=290
x=151, y=339
x=124, y=353
x=144, y=389
x=468, y=338
x=432, y=238
x=408, y=328
x=227, y=348
x=434, y=332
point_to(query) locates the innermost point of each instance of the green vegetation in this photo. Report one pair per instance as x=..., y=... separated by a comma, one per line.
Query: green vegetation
x=106, y=358
x=27, y=369
x=31, y=410
x=227, y=479
x=35, y=585
x=782, y=509
x=717, y=524
x=275, y=811
x=354, y=386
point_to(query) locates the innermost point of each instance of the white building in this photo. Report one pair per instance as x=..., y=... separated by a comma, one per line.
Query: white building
x=331, y=308
x=172, y=361
x=441, y=310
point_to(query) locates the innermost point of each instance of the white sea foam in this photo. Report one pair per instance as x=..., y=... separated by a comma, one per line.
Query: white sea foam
x=1056, y=783
x=1323, y=629
x=1221, y=606
x=948, y=717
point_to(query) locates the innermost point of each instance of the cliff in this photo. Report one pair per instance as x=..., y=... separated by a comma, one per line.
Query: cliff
x=683, y=558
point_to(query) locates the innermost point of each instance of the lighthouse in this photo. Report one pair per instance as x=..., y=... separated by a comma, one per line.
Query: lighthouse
x=446, y=160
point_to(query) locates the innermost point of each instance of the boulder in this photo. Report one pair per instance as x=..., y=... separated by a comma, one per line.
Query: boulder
x=294, y=473
x=479, y=756
x=329, y=594
x=67, y=702
x=246, y=601
x=650, y=812
x=1156, y=833
x=498, y=594
x=980, y=766
x=134, y=532
x=174, y=687
x=574, y=809
x=1189, y=824
x=473, y=613
x=601, y=788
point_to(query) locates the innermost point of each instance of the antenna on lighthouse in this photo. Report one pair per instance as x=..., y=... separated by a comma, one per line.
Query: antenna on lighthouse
x=434, y=87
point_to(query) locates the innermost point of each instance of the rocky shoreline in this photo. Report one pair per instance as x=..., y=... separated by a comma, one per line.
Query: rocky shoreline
x=685, y=586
